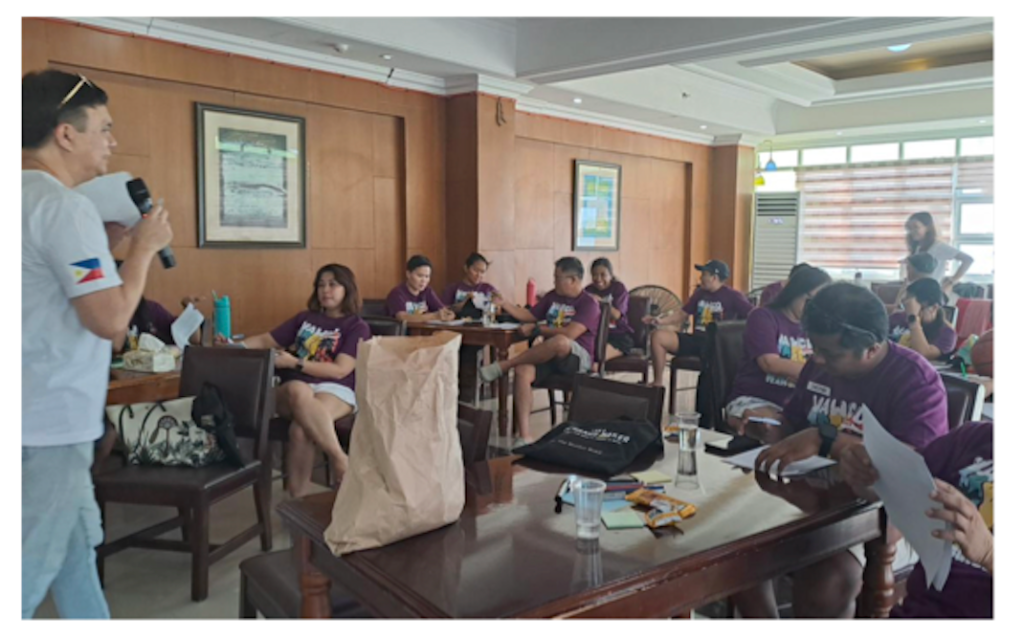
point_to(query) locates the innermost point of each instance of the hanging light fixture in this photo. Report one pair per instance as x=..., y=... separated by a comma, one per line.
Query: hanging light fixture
x=758, y=176
x=771, y=162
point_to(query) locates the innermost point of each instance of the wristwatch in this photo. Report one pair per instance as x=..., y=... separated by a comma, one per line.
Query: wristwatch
x=299, y=365
x=911, y=319
x=828, y=434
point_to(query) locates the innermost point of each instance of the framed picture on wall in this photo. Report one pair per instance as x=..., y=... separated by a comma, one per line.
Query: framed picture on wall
x=252, y=178
x=595, y=207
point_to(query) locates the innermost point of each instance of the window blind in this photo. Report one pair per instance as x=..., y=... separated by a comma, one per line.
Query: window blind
x=853, y=216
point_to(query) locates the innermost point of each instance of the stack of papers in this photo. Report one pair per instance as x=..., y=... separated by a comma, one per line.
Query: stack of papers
x=802, y=467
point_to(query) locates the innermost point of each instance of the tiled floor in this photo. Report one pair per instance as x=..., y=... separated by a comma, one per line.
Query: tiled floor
x=151, y=584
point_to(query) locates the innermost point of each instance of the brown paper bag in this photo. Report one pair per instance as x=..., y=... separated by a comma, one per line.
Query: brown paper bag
x=405, y=472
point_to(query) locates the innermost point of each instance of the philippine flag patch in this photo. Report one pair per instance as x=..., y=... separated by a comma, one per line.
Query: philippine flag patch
x=87, y=271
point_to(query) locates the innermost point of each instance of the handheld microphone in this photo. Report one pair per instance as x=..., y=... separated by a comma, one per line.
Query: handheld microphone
x=139, y=193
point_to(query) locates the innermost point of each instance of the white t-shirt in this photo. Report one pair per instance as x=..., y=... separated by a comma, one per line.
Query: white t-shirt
x=943, y=254
x=65, y=368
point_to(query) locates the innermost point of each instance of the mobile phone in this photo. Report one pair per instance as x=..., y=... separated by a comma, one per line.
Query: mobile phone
x=764, y=420
x=736, y=445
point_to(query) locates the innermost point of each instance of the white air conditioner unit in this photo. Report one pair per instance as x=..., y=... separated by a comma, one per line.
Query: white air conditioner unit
x=776, y=236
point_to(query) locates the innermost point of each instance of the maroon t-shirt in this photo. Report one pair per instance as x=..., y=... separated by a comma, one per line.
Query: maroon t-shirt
x=904, y=392
x=558, y=311
x=939, y=334
x=400, y=300
x=770, y=292
x=769, y=332
x=455, y=293
x=618, y=296
x=724, y=304
x=314, y=337
x=964, y=459
x=159, y=326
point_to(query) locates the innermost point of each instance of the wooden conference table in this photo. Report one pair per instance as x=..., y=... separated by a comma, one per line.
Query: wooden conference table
x=501, y=339
x=511, y=555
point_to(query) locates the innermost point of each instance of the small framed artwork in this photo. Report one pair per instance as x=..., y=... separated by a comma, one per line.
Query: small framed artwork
x=252, y=178
x=595, y=208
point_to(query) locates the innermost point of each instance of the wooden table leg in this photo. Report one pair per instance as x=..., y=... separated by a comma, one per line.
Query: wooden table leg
x=316, y=587
x=502, y=396
x=879, y=591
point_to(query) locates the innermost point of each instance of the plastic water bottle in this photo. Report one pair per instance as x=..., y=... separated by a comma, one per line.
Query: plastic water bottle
x=222, y=316
x=531, y=293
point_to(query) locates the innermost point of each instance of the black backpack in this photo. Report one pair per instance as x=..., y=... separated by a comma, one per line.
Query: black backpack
x=210, y=413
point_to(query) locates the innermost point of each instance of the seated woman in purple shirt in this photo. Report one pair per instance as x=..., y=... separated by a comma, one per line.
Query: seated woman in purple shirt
x=605, y=287
x=775, y=348
x=854, y=364
x=962, y=465
x=414, y=300
x=770, y=292
x=922, y=325
x=316, y=361
x=460, y=296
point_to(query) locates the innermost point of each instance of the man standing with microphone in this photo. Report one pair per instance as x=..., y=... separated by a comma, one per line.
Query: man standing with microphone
x=73, y=302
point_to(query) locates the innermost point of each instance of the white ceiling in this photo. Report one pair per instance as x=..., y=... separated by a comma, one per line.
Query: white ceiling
x=697, y=79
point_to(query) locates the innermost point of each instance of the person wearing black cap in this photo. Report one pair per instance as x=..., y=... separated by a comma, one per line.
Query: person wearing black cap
x=712, y=302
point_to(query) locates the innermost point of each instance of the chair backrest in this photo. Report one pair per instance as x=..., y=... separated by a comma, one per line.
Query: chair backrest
x=965, y=399
x=952, y=314
x=639, y=308
x=975, y=318
x=244, y=378
x=726, y=348
x=372, y=308
x=886, y=291
x=385, y=326
x=596, y=399
x=474, y=433
x=601, y=339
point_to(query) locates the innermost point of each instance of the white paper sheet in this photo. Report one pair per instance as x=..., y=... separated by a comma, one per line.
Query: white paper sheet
x=186, y=324
x=458, y=322
x=802, y=467
x=506, y=326
x=904, y=486
x=110, y=195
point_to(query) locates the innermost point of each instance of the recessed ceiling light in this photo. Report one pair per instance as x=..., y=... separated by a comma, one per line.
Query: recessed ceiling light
x=577, y=100
x=386, y=56
x=839, y=132
x=703, y=126
x=899, y=48
x=982, y=121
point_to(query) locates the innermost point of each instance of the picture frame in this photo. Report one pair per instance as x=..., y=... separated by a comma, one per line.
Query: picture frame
x=251, y=178
x=596, y=206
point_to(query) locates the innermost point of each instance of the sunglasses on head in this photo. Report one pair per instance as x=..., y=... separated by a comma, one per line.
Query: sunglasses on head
x=82, y=81
x=832, y=319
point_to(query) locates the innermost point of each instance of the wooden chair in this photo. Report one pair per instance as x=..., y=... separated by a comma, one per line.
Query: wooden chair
x=594, y=398
x=975, y=318
x=244, y=378
x=965, y=399
x=564, y=383
x=639, y=359
x=374, y=308
x=886, y=291
x=269, y=582
x=685, y=363
x=726, y=355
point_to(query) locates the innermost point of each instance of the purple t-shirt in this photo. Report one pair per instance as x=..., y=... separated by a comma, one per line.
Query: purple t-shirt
x=400, y=300
x=160, y=320
x=769, y=332
x=618, y=296
x=904, y=392
x=455, y=293
x=943, y=337
x=770, y=292
x=724, y=304
x=963, y=458
x=314, y=337
x=558, y=311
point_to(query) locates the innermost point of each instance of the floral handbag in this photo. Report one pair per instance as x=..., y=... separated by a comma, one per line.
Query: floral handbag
x=164, y=434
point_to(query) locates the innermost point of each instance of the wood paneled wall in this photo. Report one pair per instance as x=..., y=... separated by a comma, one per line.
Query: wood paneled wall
x=665, y=207
x=733, y=200
x=375, y=163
